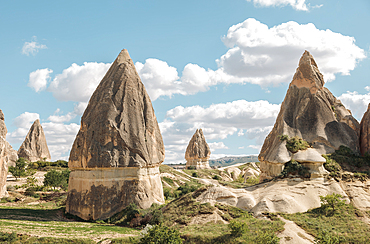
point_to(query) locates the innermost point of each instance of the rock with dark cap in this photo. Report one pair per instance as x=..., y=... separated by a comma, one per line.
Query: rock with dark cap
x=198, y=152
x=116, y=155
x=310, y=112
x=34, y=147
x=365, y=132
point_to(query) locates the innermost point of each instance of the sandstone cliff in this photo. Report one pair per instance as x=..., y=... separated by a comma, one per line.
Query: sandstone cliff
x=5, y=154
x=309, y=111
x=34, y=146
x=116, y=155
x=197, y=153
x=365, y=132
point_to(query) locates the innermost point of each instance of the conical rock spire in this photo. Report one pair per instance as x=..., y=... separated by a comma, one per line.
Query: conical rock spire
x=365, y=132
x=198, y=152
x=116, y=155
x=309, y=111
x=34, y=147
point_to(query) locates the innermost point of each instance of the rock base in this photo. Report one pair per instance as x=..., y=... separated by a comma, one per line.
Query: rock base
x=198, y=164
x=100, y=193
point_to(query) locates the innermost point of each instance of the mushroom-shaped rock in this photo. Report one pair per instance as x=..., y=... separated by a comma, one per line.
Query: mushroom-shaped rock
x=115, y=158
x=197, y=153
x=34, y=147
x=310, y=112
x=365, y=132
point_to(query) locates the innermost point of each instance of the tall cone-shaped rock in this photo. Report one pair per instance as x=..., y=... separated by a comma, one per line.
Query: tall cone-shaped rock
x=34, y=146
x=365, y=132
x=309, y=111
x=6, y=152
x=197, y=153
x=116, y=155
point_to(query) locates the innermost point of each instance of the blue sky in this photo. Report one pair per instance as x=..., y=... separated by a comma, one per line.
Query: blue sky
x=220, y=65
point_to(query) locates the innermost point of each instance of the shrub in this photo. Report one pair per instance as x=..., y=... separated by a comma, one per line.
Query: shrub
x=238, y=228
x=8, y=237
x=56, y=178
x=195, y=174
x=184, y=189
x=295, y=143
x=19, y=170
x=161, y=234
x=293, y=167
x=267, y=238
x=191, y=167
x=217, y=177
x=331, y=201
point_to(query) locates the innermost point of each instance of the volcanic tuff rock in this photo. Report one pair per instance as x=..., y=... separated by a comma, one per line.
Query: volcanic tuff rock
x=34, y=146
x=309, y=111
x=116, y=155
x=4, y=154
x=365, y=132
x=197, y=153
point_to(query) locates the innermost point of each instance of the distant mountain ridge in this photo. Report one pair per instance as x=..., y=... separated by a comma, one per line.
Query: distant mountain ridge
x=227, y=161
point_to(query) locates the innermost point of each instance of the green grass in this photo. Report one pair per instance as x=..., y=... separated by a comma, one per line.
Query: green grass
x=343, y=224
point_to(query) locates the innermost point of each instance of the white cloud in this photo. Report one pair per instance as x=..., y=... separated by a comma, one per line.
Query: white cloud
x=217, y=145
x=367, y=88
x=296, y=4
x=32, y=47
x=217, y=121
x=78, y=110
x=269, y=56
x=38, y=79
x=77, y=83
x=355, y=102
x=23, y=123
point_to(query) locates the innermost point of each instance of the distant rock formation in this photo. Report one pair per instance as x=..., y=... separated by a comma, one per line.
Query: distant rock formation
x=197, y=153
x=34, y=147
x=309, y=111
x=365, y=132
x=116, y=155
x=12, y=155
x=5, y=155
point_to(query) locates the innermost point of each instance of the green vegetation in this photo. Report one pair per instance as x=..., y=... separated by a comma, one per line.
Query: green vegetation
x=20, y=169
x=238, y=227
x=295, y=143
x=160, y=234
x=339, y=226
x=56, y=178
x=23, y=238
x=294, y=168
x=46, y=166
x=344, y=159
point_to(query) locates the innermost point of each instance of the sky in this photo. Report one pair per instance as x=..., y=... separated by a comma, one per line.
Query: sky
x=220, y=65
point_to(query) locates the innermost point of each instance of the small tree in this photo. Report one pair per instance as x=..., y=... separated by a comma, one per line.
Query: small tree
x=161, y=234
x=56, y=178
x=19, y=170
x=332, y=201
x=238, y=228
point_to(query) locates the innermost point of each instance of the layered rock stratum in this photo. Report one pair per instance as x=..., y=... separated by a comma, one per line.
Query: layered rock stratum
x=34, y=147
x=198, y=152
x=116, y=155
x=365, y=132
x=311, y=112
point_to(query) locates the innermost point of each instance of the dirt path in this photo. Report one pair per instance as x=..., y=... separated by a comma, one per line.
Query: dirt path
x=293, y=234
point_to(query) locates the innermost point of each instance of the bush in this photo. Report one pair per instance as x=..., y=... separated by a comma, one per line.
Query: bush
x=331, y=201
x=217, y=177
x=238, y=228
x=195, y=174
x=8, y=237
x=293, y=167
x=31, y=191
x=192, y=168
x=19, y=170
x=184, y=189
x=267, y=238
x=161, y=234
x=295, y=143
x=56, y=178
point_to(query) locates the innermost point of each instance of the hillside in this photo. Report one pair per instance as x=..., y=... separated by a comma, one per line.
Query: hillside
x=228, y=161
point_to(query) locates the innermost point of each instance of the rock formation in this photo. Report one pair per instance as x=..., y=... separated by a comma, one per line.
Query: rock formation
x=5, y=154
x=365, y=132
x=309, y=111
x=197, y=153
x=34, y=147
x=116, y=155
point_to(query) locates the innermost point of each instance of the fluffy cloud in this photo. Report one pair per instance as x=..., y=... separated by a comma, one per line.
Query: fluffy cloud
x=269, y=56
x=296, y=4
x=32, y=47
x=356, y=102
x=59, y=136
x=38, y=79
x=77, y=83
x=217, y=121
x=77, y=111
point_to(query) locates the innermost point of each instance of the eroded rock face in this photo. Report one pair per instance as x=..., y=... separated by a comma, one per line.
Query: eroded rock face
x=311, y=112
x=116, y=155
x=365, y=132
x=198, y=152
x=3, y=156
x=34, y=146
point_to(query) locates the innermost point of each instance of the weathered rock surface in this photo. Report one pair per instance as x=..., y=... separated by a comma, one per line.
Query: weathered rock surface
x=116, y=155
x=365, y=132
x=12, y=155
x=34, y=146
x=5, y=154
x=198, y=152
x=312, y=113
